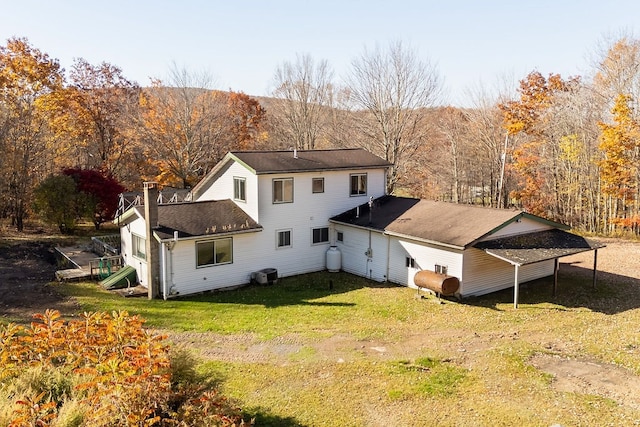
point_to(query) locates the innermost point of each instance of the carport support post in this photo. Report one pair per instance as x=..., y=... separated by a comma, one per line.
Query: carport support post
x=555, y=276
x=516, y=287
x=595, y=264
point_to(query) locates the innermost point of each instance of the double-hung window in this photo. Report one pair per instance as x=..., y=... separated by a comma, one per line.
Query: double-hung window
x=358, y=184
x=214, y=252
x=138, y=246
x=320, y=235
x=239, y=189
x=283, y=190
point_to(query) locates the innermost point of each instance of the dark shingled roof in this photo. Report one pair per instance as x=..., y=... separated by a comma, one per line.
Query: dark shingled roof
x=450, y=223
x=202, y=219
x=265, y=162
x=384, y=211
x=539, y=246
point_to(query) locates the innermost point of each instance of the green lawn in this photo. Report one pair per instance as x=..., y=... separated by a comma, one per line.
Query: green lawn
x=450, y=363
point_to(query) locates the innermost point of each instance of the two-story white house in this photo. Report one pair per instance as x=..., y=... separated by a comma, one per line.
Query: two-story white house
x=283, y=210
x=254, y=210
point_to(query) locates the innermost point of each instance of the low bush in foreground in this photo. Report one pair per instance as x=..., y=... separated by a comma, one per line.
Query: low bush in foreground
x=101, y=370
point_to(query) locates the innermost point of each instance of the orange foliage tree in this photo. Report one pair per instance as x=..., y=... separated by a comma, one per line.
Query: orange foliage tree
x=28, y=79
x=619, y=168
x=532, y=160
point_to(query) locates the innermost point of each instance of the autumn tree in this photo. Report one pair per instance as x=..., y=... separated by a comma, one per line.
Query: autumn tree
x=303, y=90
x=27, y=78
x=620, y=167
x=393, y=87
x=246, y=121
x=98, y=191
x=535, y=159
x=93, y=125
x=56, y=201
x=184, y=126
x=618, y=71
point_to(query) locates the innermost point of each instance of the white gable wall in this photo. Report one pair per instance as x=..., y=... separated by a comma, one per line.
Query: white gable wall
x=222, y=188
x=524, y=225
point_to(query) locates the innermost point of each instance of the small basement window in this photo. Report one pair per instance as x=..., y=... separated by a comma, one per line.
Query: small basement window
x=283, y=239
x=441, y=269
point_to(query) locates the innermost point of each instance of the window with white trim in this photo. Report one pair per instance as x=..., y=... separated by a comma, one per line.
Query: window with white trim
x=317, y=185
x=358, y=184
x=340, y=236
x=239, y=189
x=320, y=235
x=283, y=238
x=410, y=262
x=283, y=190
x=441, y=269
x=214, y=252
x=138, y=247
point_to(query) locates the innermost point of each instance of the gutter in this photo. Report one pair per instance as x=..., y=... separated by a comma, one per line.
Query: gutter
x=419, y=239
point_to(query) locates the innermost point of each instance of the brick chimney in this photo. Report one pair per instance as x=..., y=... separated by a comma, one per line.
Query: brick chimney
x=152, y=246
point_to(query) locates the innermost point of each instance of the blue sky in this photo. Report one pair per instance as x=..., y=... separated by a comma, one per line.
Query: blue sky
x=242, y=42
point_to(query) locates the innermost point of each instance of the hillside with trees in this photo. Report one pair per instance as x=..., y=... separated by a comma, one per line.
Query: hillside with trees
x=563, y=147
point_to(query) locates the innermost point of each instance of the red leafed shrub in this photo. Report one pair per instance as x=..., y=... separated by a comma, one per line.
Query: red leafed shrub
x=107, y=368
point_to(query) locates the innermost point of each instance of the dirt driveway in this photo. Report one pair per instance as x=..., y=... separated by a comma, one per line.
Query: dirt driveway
x=27, y=266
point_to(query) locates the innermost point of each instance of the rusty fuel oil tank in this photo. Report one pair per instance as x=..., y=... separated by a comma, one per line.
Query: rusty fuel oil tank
x=436, y=282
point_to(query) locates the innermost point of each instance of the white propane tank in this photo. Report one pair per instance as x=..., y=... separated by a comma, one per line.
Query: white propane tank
x=334, y=259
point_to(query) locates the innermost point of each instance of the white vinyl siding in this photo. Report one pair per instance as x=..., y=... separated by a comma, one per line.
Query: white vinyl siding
x=310, y=210
x=425, y=257
x=184, y=277
x=484, y=273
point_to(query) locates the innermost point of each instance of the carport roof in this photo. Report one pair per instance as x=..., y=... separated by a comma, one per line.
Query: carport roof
x=538, y=246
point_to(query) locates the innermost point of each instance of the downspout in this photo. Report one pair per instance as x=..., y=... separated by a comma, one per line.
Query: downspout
x=163, y=251
x=168, y=266
x=386, y=277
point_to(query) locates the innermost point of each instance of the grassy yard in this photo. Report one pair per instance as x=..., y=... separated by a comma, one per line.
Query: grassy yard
x=333, y=349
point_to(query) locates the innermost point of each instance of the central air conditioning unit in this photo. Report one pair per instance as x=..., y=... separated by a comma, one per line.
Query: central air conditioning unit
x=266, y=276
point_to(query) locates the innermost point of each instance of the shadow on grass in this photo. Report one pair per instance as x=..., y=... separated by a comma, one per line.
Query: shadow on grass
x=265, y=418
x=613, y=293
x=304, y=289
